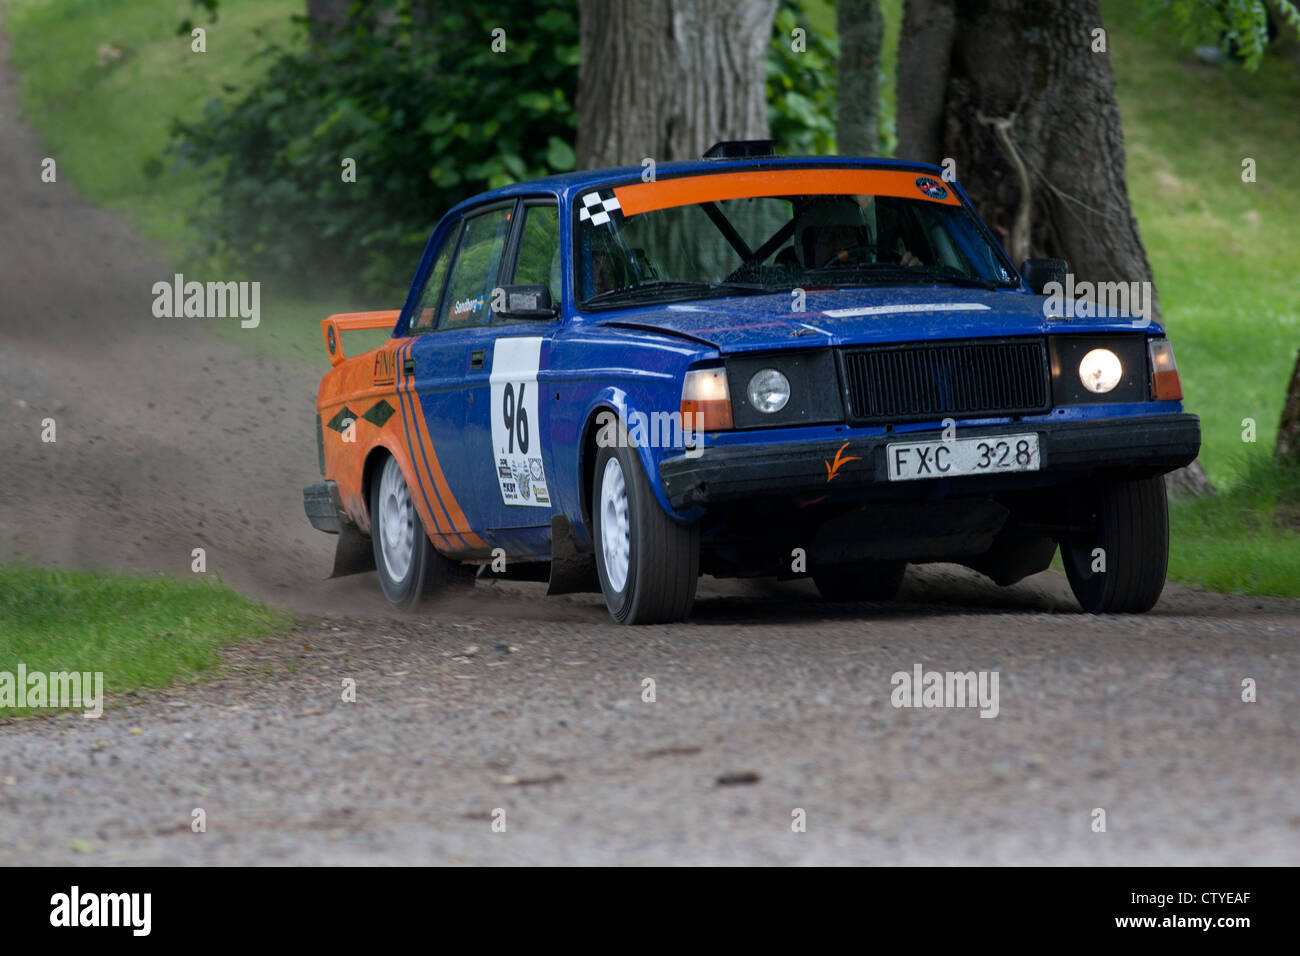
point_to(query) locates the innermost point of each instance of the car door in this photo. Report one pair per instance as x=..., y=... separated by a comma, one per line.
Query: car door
x=508, y=418
x=457, y=312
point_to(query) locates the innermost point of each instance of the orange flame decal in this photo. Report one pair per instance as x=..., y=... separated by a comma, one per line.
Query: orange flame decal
x=834, y=469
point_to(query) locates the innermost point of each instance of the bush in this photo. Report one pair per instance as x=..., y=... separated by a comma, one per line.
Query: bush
x=428, y=112
x=430, y=115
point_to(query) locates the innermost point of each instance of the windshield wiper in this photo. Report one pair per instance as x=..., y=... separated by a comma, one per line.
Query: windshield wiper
x=872, y=273
x=953, y=277
x=655, y=288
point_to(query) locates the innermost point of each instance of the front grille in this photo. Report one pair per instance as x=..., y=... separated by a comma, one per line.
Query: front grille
x=946, y=379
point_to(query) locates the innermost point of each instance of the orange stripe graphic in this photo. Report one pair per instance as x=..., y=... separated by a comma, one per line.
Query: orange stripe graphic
x=426, y=501
x=455, y=517
x=458, y=520
x=686, y=190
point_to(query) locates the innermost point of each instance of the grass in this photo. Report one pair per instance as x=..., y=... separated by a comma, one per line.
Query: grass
x=139, y=631
x=107, y=125
x=1223, y=251
x=1232, y=544
x=1224, y=254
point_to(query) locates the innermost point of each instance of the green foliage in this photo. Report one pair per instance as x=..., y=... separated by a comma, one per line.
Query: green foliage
x=106, y=117
x=1238, y=27
x=207, y=6
x=427, y=110
x=801, y=85
x=430, y=115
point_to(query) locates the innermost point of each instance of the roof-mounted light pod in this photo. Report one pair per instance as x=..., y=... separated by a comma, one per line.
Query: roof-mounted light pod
x=741, y=148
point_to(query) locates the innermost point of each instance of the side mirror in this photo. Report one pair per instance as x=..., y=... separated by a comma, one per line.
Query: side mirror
x=528, y=302
x=1039, y=272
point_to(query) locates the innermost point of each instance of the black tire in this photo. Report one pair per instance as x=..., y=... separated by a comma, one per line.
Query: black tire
x=860, y=580
x=663, y=558
x=1131, y=526
x=428, y=572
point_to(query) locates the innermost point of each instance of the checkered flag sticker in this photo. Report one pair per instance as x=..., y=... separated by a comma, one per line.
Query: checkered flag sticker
x=597, y=208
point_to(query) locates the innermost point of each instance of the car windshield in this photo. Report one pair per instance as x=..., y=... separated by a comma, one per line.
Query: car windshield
x=731, y=234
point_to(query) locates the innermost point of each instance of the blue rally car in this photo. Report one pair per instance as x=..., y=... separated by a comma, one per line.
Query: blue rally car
x=744, y=366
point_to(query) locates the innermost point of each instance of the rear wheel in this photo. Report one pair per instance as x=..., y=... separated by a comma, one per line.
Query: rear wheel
x=1119, y=566
x=860, y=580
x=410, y=568
x=648, y=564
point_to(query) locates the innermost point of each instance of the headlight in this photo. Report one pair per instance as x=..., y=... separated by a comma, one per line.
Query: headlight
x=1100, y=371
x=768, y=391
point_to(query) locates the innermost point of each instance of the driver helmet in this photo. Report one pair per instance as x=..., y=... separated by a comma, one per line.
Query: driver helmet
x=828, y=226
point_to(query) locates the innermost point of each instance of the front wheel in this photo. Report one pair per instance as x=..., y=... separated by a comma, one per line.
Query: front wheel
x=648, y=564
x=1119, y=566
x=410, y=568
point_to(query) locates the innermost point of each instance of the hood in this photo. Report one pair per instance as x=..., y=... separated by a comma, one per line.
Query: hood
x=860, y=317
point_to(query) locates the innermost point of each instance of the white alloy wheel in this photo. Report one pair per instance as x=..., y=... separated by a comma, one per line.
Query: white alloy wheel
x=398, y=525
x=648, y=563
x=615, y=529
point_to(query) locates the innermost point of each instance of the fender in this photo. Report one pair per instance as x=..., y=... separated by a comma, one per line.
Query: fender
x=624, y=406
x=358, y=399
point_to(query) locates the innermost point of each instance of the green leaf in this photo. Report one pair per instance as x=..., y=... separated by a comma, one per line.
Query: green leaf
x=515, y=165
x=560, y=155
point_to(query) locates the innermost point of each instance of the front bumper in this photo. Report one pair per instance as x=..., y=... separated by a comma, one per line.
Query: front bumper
x=1137, y=446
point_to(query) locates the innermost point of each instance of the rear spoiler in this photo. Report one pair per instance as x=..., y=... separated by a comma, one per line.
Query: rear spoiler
x=333, y=328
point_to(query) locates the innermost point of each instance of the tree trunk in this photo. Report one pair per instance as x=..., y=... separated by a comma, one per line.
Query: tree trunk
x=924, y=49
x=1288, y=430
x=665, y=79
x=857, y=121
x=1030, y=117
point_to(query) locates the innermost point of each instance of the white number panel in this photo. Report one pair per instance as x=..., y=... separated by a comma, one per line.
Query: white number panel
x=516, y=428
x=962, y=456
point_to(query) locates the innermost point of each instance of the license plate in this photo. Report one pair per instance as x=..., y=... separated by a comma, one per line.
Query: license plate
x=962, y=456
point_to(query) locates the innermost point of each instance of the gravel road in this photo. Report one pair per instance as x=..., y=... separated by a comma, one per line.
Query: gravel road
x=502, y=705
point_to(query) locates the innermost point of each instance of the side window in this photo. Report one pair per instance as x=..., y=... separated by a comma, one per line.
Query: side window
x=468, y=300
x=422, y=318
x=539, y=249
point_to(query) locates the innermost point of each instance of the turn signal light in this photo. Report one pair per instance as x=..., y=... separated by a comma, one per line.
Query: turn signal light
x=706, y=397
x=1165, y=384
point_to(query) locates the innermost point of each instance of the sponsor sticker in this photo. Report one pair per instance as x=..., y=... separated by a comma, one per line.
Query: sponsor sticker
x=931, y=188
x=516, y=424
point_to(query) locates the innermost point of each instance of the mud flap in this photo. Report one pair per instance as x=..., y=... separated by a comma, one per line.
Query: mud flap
x=354, y=553
x=571, y=572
